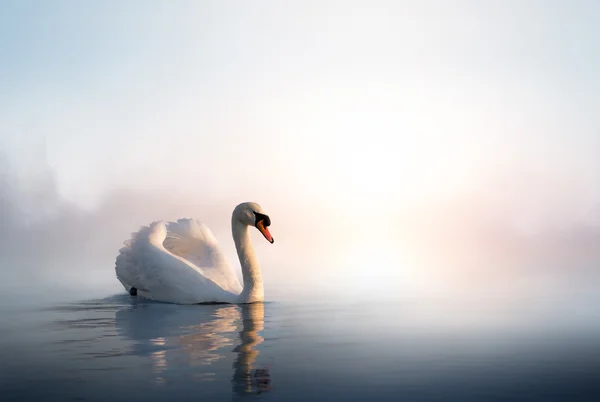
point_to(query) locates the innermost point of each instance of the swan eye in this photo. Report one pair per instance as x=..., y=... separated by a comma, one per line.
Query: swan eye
x=262, y=217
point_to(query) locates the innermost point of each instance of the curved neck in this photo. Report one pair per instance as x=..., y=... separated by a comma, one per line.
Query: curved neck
x=253, y=284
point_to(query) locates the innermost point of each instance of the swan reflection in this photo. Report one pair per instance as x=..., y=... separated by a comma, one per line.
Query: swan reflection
x=246, y=379
x=205, y=340
x=195, y=340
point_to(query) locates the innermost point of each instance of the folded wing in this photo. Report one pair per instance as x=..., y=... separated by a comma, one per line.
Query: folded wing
x=177, y=262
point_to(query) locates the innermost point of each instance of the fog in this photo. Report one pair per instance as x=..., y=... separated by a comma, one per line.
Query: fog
x=431, y=150
x=457, y=247
x=52, y=245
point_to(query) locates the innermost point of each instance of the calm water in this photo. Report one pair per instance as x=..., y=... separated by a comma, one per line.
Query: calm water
x=124, y=349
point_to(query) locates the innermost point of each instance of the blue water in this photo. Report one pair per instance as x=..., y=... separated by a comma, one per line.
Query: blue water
x=122, y=348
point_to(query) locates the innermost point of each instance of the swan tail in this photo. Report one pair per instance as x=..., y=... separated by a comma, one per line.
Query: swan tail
x=127, y=266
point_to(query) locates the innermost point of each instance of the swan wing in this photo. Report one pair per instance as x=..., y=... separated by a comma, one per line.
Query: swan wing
x=177, y=262
x=193, y=241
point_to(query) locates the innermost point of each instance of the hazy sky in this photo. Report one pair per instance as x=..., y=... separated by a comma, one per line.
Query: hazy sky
x=380, y=136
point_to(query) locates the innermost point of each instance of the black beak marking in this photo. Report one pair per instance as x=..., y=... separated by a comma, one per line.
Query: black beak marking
x=262, y=217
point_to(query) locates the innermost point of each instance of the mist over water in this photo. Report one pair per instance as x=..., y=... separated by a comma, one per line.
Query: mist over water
x=70, y=332
x=52, y=248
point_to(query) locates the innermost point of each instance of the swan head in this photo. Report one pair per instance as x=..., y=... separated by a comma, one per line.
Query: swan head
x=251, y=214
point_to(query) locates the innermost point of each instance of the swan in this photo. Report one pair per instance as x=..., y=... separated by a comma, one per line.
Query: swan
x=182, y=262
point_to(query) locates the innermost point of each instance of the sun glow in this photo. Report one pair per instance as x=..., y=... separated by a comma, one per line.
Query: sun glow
x=372, y=142
x=369, y=266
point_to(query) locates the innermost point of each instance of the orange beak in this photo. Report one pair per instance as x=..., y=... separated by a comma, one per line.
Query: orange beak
x=265, y=231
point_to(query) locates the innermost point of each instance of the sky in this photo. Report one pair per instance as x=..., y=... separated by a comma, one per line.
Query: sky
x=399, y=147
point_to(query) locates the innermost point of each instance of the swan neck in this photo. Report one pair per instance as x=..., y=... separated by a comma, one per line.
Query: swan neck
x=253, y=284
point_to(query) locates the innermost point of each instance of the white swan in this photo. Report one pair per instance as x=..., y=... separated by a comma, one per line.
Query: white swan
x=181, y=262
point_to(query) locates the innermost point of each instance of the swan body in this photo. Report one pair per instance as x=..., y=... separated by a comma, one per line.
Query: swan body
x=182, y=262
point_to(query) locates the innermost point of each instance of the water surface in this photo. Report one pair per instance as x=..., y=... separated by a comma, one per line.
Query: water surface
x=123, y=348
